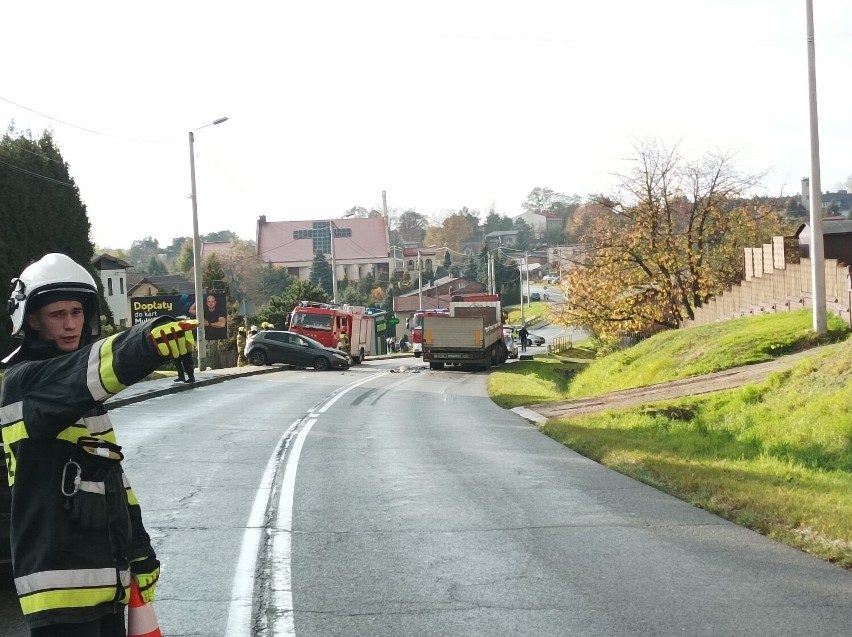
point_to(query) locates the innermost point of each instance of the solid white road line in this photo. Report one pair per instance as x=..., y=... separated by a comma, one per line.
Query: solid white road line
x=242, y=588
x=282, y=589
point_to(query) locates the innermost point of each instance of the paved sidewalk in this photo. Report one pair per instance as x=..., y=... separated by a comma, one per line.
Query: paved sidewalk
x=162, y=386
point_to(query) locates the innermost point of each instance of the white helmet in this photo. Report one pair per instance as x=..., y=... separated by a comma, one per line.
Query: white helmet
x=54, y=277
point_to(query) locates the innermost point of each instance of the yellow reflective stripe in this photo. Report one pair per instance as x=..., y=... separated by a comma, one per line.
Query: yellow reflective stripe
x=100, y=374
x=70, y=598
x=14, y=432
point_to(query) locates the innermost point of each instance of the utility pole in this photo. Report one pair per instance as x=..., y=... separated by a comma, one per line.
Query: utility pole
x=333, y=265
x=817, y=255
x=527, y=268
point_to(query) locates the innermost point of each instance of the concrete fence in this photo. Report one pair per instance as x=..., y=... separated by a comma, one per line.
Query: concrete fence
x=769, y=288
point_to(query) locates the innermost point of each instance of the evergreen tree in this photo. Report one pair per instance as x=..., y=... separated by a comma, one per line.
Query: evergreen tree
x=156, y=267
x=321, y=274
x=482, y=265
x=278, y=310
x=40, y=211
x=213, y=276
x=273, y=281
x=471, y=267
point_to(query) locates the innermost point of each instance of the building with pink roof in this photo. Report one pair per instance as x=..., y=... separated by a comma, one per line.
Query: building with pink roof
x=360, y=245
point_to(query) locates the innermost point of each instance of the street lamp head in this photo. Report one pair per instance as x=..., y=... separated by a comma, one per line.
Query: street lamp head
x=213, y=123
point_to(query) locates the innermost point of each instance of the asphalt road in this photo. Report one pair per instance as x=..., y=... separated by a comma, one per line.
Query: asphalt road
x=393, y=500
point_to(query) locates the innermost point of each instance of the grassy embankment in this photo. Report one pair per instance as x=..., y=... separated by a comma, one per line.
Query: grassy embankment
x=775, y=457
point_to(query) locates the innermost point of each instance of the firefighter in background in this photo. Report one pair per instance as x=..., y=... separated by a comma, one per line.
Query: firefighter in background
x=241, y=347
x=77, y=535
x=253, y=330
x=343, y=343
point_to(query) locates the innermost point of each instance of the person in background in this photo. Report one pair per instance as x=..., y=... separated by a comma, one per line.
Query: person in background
x=241, y=347
x=523, y=334
x=77, y=536
x=403, y=343
x=184, y=364
x=343, y=343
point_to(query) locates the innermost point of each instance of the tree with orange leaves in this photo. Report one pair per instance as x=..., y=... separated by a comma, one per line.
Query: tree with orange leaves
x=669, y=239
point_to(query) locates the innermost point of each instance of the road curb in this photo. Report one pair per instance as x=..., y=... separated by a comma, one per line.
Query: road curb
x=115, y=403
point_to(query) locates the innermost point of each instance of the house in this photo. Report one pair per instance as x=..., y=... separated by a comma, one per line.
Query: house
x=162, y=285
x=836, y=239
x=221, y=249
x=420, y=259
x=113, y=275
x=541, y=222
x=839, y=202
x=564, y=258
x=502, y=239
x=357, y=246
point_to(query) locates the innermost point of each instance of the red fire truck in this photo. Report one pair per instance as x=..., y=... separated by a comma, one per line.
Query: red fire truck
x=325, y=323
x=417, y=328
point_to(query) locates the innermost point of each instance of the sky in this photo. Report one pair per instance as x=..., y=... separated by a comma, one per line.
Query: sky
x=441, y=104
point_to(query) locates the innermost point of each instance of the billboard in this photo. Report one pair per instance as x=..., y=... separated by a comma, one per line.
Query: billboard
x=143, y=308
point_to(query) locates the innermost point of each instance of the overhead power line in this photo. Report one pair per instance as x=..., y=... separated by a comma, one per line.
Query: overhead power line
x=32, y=110
x=38, y=176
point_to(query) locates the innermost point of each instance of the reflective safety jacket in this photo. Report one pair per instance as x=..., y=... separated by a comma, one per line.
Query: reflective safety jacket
x=76, y=523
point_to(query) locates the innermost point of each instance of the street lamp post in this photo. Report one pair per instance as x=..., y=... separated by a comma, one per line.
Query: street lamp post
x=196, y=249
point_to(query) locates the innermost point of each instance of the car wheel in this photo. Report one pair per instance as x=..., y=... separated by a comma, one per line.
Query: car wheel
x=321, y=363
x=257, y=357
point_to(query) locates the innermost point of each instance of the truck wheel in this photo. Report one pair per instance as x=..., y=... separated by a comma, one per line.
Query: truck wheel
x=361, y=355
x=436, y=366
x=416, y=354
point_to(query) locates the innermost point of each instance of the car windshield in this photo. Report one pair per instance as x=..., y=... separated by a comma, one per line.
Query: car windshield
x=300, y=339
x=313, y=321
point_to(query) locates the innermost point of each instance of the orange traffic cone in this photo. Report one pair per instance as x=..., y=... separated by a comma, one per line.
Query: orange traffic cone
x=141, y=619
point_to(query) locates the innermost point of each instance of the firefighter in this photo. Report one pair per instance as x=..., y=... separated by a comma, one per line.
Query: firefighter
x=241, y=347
x=343, y=343
x=253, y=330
x=77, y=535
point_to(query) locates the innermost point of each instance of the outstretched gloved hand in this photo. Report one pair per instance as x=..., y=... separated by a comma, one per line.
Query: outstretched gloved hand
x=170, y=338
x=146, y=572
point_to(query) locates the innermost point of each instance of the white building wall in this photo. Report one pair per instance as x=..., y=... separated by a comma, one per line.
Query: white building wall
x=115, y=292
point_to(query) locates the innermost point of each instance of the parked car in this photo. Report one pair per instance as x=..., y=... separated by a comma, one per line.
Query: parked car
x=511, y=346
x=535, y=296
x=534, y=339
x=278, y=346
x=551, y=278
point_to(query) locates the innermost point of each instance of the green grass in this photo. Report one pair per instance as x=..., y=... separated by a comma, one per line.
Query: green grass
x=539, y=380
x=538, y=309
x=775, y=457
x=668, y=356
